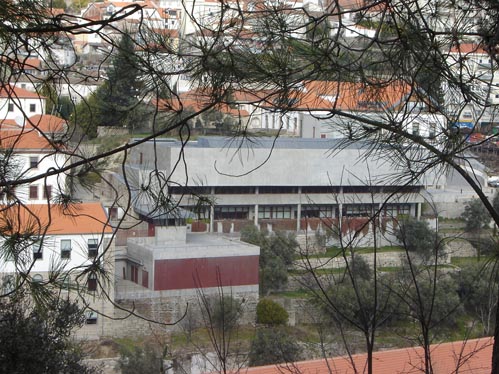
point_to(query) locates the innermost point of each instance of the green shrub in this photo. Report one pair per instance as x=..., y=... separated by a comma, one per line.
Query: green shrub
x=273, y=346
x=271, y=313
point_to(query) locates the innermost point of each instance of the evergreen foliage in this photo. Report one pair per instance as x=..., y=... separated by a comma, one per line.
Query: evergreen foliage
x=34, y=340
x=268, y=312
x=277, y=251
x=416, y=236
x=476, y=216
x=117, y=102
x=138, y=360
x=273, y=346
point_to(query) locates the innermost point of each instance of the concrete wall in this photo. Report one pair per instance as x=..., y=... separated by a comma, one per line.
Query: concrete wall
x=304, y=162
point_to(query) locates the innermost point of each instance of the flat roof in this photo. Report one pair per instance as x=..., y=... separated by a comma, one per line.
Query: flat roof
x=260, y=142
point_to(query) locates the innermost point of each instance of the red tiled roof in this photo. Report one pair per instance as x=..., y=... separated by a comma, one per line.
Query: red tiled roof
x=23, y=138
x=47, y=123
x=314, y=96
x=8, y=91
x=82, y=218
x=466, y=48
x=466, y=357
x=56, y=11
x=20, y=139
x=359, y=96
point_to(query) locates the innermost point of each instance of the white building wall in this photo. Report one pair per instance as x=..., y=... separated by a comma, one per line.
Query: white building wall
x=51, y=255
x=46, y=162
x=21, y=108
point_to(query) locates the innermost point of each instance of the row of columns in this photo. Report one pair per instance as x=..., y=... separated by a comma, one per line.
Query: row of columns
x=298, y=210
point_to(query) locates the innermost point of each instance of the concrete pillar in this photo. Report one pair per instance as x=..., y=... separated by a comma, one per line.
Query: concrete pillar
x=212, y=217
x=298, y=210
x=340, y=209
x=255, y=218
x=212, y=210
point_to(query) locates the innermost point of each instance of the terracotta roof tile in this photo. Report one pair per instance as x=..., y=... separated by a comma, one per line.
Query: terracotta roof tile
x=472, y=356
x=313, y=96
x=466, y=48
x=83, y=218
x=47, y=123
x=358, y=96
x=23, y=139
x=7, y=91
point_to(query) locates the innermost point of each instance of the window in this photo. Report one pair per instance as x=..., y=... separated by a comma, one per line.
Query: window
x=415, y=129
x=33, y=162
x=37, y=278
x=229, y=190
x=93, y=245
x=113, y=213
x=37, y=250
x=433, y=130
x=33, y=192
x=394, y=210
x=231, y=212
x=358, y=210
x=47, y=192
x=91, y=318
x=66, y=248
x=318, y=211
x=11, y=107
x=66, y=281
x=32, y=108
x=92, y=282
x=277, y=190
x=135, y=274
x=279, y=212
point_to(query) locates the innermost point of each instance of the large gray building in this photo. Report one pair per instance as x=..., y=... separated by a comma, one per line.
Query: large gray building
x=283, y=183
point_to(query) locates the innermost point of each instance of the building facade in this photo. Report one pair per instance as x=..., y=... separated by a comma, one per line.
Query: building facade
x=276, y=184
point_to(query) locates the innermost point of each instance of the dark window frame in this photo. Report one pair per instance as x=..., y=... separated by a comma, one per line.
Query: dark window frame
x=93, y=248
x=33, y=191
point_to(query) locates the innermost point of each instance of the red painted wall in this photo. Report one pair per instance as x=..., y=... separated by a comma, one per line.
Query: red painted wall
x=203, y=272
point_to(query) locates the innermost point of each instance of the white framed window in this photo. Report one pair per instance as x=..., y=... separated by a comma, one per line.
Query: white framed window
x=33, y=162
x=93, y=247
x=92, y=282
x=66, y=248
x=415, y=128
x=37, y=250
x=91, y=318
x=276, y=211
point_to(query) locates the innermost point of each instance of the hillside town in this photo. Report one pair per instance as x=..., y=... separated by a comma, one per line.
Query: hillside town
x=257, y=186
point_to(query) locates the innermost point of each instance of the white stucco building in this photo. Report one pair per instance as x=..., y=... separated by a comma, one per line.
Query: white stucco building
x=18, y=103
